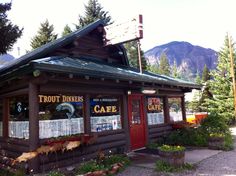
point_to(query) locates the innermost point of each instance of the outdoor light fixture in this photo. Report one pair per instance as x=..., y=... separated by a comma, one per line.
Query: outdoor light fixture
x=129, y=92
x=149, y=91
x=36, y=73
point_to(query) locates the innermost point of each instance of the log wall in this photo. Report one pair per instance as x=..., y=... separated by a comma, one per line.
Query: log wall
x=156, y=132
x=114, y=141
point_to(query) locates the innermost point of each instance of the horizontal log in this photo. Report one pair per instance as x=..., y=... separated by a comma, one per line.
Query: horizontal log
x=68, y=162
x=15, y=147
x=52, y=157
x=159, y=129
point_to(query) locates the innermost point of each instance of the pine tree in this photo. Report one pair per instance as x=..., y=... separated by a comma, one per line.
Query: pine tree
x=154, y=68
x=132, y=52
x=175, y=73
x=67, y=30
x=93, y=11
x=205, y=74
x=9, y=32
x=198, y=78
x=220, y=86
x=164, y=66
x=45, y=35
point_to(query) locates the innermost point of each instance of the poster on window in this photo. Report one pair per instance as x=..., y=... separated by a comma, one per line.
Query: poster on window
x=105, y=114
x=175, y=109
x=155, y=110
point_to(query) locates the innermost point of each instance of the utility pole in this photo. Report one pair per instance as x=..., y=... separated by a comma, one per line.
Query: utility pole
x=139, y=57
x=232, y=74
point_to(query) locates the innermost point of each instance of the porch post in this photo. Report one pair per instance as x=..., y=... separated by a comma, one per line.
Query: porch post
x=183, y=108
x=5, y=117
x=87, y=123
x=125, y=120
x=33, y=125
x=145, y=118
x=166, y=110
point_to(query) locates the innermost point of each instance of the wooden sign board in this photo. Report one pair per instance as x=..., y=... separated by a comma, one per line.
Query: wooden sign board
x=124, y=32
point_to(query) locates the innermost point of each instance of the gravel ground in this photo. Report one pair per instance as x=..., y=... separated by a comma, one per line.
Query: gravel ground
x=222, y=164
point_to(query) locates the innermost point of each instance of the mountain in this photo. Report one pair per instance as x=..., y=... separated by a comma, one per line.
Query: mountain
x=5, y=58
x=190, y=58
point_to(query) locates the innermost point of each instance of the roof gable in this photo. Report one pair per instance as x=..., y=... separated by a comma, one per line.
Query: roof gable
x=50, y=49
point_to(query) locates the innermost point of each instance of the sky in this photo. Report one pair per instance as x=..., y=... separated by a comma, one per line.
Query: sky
x=200, y=22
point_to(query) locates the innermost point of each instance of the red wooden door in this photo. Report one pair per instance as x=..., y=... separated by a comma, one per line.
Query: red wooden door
x=136, y=121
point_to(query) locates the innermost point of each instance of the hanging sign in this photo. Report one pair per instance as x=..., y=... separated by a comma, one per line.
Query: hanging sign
x=124, y=32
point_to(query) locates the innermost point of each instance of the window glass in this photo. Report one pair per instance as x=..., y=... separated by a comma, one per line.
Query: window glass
x=175, y=109
x=105, y=113
x=136, y=118
x=155, y=111
x=19, y=117
x=1, y=116
x=60, y=115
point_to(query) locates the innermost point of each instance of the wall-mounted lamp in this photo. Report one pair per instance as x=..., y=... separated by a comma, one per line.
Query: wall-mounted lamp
x=149, y=91
x=36, y=73
x=129, y=92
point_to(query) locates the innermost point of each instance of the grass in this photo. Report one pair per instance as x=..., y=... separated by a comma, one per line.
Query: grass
x=162, y=166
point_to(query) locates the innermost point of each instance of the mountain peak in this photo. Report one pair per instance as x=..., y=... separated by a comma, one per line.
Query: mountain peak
x=188, y=57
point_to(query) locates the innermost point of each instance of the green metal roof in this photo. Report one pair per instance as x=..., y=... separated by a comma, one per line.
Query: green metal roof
x=85, y=66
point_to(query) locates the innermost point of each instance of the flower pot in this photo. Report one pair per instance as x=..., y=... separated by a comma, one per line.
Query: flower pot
x=174, y=158
x=216, y=143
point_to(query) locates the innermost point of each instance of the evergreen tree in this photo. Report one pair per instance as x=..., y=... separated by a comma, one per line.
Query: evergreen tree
x=132, y=52
x=205, y=74
x=220, y=86
x=198, y=78
x=154, y=68
x=175, y=73
x=164, y=66
x=67, y=30
x=93, y=11
x=9, y=32
x=45, y=35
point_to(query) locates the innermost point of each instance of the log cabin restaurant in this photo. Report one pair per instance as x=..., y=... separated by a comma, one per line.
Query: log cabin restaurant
x=75, y=87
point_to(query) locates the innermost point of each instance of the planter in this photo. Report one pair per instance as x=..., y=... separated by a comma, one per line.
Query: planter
x=174, y=158
x=216, y=143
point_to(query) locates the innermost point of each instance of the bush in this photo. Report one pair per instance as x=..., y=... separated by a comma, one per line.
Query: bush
x=187, y=137
x=214, y=123
x=105, y=164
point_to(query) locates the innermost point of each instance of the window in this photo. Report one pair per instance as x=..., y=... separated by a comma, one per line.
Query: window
x=105, y=113
x=19, y=117
x=60, y=115
x=175, y=109
x=155, y=111
x=1, y=117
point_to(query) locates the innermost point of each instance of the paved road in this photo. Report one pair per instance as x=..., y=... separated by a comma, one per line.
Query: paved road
x=222, y=164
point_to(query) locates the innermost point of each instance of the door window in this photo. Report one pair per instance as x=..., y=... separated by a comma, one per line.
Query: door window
x=136, y=112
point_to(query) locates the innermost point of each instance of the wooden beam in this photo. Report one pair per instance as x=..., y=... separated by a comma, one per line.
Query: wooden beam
x=33, y=125
x=183, y=108
x=6, y=111
x=87, y=123
x=125, y=120
x=166, y=110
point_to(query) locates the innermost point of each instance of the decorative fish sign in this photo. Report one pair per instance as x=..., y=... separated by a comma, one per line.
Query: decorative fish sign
x=66, y=106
